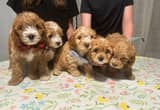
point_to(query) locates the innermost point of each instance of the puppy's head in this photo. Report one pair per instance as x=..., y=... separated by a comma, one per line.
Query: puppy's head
x=123, y=55
x=28, y=28
x=100, y=52
x=81, y=39
x=54, y=34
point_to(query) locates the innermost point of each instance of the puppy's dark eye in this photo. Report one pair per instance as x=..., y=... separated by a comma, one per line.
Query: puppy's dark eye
x=107, y=51
x=95, y=50
x=50, y=36
x=38, y=26
x=19, y=27
x=92, y=36
x=79, y=37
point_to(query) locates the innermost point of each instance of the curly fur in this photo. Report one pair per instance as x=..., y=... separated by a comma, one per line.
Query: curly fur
x=26, y=46
x=79, y=42
x=54, y=34
x=123, y=55
x=100, y=52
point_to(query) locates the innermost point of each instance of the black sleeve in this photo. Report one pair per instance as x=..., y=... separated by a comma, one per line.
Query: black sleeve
x=128, y=2
x=15, y=5
x=73, y=9
x=85, y=7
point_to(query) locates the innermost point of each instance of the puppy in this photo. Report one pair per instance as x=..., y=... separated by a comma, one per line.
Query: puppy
x=54, y=34
x=99, y=54
x=123, y=55
x=71, y=57
x=26, y=46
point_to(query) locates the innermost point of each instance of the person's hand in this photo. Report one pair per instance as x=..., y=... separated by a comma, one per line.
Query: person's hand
x=69, y=32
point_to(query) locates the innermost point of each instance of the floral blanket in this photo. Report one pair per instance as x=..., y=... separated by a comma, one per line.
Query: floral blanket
x=65, y=92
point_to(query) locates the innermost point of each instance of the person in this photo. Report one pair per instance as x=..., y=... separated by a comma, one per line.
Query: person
x=60, y=11
x=108, y=16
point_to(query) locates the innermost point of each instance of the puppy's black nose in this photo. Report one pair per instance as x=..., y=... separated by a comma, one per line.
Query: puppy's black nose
x=100, y=58
x=31, y=36
x=86, y=45
x=58, y=43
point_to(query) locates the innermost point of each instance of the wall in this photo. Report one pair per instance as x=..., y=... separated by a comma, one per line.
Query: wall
x=147, y=15
x=142, y=20
x=152, y=47
x=6, y=18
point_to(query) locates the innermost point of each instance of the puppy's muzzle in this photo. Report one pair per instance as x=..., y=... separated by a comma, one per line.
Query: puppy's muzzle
x=31, y=36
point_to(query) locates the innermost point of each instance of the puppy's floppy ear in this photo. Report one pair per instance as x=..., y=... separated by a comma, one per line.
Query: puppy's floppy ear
x=43, y=30
x=60, y=31
x=44, y=36
x=88, y=56
x=14, y=34
x=72, y=40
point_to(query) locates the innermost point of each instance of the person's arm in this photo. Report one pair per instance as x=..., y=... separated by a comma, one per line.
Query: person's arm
x=73, y=11
x=86, y=13
x=86, y=19
x=127, y=22
x=70, y=28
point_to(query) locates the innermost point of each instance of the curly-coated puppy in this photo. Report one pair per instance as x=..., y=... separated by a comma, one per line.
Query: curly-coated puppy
x=123, y=55
x=71, y=57
x=26, y=46
x=54, y=34
x=100, y=52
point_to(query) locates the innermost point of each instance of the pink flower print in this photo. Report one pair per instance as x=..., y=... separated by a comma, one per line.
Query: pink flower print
x=64, y=86
x=111, y=82
x=14, y=107
x=77, y=91
x=69, y=80
x=1, y=87
x=124, y=92
x=149, y=90
x=24, y=98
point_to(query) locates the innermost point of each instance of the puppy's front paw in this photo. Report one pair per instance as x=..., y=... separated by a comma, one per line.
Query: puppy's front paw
x=88, y=75
x=45, y=78
x=75, y=73
x=131, y=77
x=57, y=73
x=14, y=82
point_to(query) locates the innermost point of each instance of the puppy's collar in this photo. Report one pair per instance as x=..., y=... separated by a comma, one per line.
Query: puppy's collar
x=79, y=58
x=24, y=47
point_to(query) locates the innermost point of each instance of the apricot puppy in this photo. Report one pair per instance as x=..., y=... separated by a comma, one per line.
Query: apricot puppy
x=123, y=55
x=72, y=55
x=26, y=46
x=99, y=54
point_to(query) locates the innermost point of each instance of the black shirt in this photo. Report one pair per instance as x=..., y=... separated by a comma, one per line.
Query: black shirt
x=48, y=11
x=106, y=14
